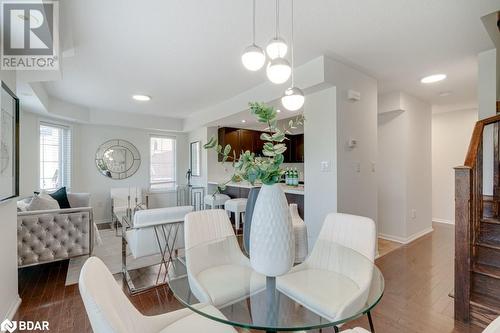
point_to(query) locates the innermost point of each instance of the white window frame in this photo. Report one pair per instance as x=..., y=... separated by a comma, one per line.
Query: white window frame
x=70, y=127
x=151, y=189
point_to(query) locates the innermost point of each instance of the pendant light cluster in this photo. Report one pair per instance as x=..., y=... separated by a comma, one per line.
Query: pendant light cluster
x=278, y=69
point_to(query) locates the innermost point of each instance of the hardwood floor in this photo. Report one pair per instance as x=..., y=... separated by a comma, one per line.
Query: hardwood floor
x=418, y=277
x=386, y=246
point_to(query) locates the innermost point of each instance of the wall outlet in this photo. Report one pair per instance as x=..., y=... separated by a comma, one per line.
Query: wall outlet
x=358, y=167
x=413, y=213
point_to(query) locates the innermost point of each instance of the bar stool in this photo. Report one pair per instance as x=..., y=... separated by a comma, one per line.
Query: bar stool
x=300, y=232
x=216, y=200
x=236, y=206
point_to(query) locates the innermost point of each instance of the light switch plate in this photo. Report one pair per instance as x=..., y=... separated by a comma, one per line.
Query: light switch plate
x=325, y=166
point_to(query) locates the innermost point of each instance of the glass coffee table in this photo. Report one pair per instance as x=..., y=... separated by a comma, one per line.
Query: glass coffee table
x=350, y=287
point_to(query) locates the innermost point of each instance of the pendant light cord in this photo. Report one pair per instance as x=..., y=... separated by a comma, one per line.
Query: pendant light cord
x=253, y=22
x=291, y=47
x=277, y=19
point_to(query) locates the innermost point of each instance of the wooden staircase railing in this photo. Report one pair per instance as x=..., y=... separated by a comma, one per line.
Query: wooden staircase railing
x=469, y=214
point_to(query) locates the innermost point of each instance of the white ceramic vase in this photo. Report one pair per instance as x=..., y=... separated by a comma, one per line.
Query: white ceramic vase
x=271, y=235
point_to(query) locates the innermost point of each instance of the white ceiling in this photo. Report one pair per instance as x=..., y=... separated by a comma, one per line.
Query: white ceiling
x=186, y=53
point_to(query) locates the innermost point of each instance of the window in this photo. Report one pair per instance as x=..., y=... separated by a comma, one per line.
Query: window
x=162, y=172
x=55, y=156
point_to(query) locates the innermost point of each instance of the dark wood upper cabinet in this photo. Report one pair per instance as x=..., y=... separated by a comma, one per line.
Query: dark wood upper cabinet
x=298, y=148
x=259, y=143
x=289, y=146
x=247, y=141
x=244, y=139
x=229, y=136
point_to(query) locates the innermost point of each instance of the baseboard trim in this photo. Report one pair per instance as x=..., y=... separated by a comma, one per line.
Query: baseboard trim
x=13, y=309
x=434, y=219
x=406, y=240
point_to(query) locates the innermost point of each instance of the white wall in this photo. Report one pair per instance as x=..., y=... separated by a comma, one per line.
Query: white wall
x=29, y=154
x=405, y=167
x=451, y=134
x=392, y=182
x=85, y=177
x=419, y=166
x=9, y=298
x=357, y=190
x=320, y=144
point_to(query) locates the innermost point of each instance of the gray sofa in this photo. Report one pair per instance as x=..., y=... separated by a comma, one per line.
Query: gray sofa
x=51, y=235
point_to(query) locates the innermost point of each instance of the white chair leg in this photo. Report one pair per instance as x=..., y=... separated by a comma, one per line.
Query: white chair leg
x=228, y=213
x=237, y=221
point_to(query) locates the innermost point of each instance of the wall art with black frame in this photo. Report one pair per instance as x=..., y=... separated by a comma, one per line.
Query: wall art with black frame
x=9, y=144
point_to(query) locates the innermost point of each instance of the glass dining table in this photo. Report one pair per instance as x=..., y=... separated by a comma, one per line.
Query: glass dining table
x=333, y=286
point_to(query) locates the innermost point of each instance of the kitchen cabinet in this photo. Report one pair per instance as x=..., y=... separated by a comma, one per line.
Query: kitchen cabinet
x=229, y=136
x=247, y=140
x=242, y=192
x=244, y=139
x=297, y=150
x=259, y=143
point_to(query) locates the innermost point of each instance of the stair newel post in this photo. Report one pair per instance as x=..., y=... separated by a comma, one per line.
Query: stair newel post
x=464, y=214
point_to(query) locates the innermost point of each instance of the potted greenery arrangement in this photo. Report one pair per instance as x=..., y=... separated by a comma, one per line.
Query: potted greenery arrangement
x=271, y=234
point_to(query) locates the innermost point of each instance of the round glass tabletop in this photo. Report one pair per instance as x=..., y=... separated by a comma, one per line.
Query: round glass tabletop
x=334, y=285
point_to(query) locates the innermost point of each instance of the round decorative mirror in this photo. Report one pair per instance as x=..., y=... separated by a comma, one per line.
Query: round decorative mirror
x=117, y=159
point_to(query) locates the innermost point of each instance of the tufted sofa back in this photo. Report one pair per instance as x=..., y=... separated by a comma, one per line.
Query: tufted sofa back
x=44, y=236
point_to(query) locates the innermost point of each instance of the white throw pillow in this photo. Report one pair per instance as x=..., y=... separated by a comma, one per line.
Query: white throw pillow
x=42, y=202
x=22, y=205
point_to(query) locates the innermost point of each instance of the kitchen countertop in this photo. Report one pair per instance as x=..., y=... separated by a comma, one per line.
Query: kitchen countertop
x=287, y=189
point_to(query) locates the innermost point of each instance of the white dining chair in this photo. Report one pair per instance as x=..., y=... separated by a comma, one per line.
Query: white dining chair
x=356, y=330
x=300, y=233
x=110, y=311
x=493, y=327
x=218, y=272
x=346, y=277
x=122, y=199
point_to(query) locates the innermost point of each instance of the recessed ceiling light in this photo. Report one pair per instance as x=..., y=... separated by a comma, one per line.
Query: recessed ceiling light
x=142, y=98
x=243, y=121
x=278, y=111
x=433, y=78
x=445, y=93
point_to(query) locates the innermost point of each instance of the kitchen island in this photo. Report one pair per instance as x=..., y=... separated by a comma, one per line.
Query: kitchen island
x=294, y=194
